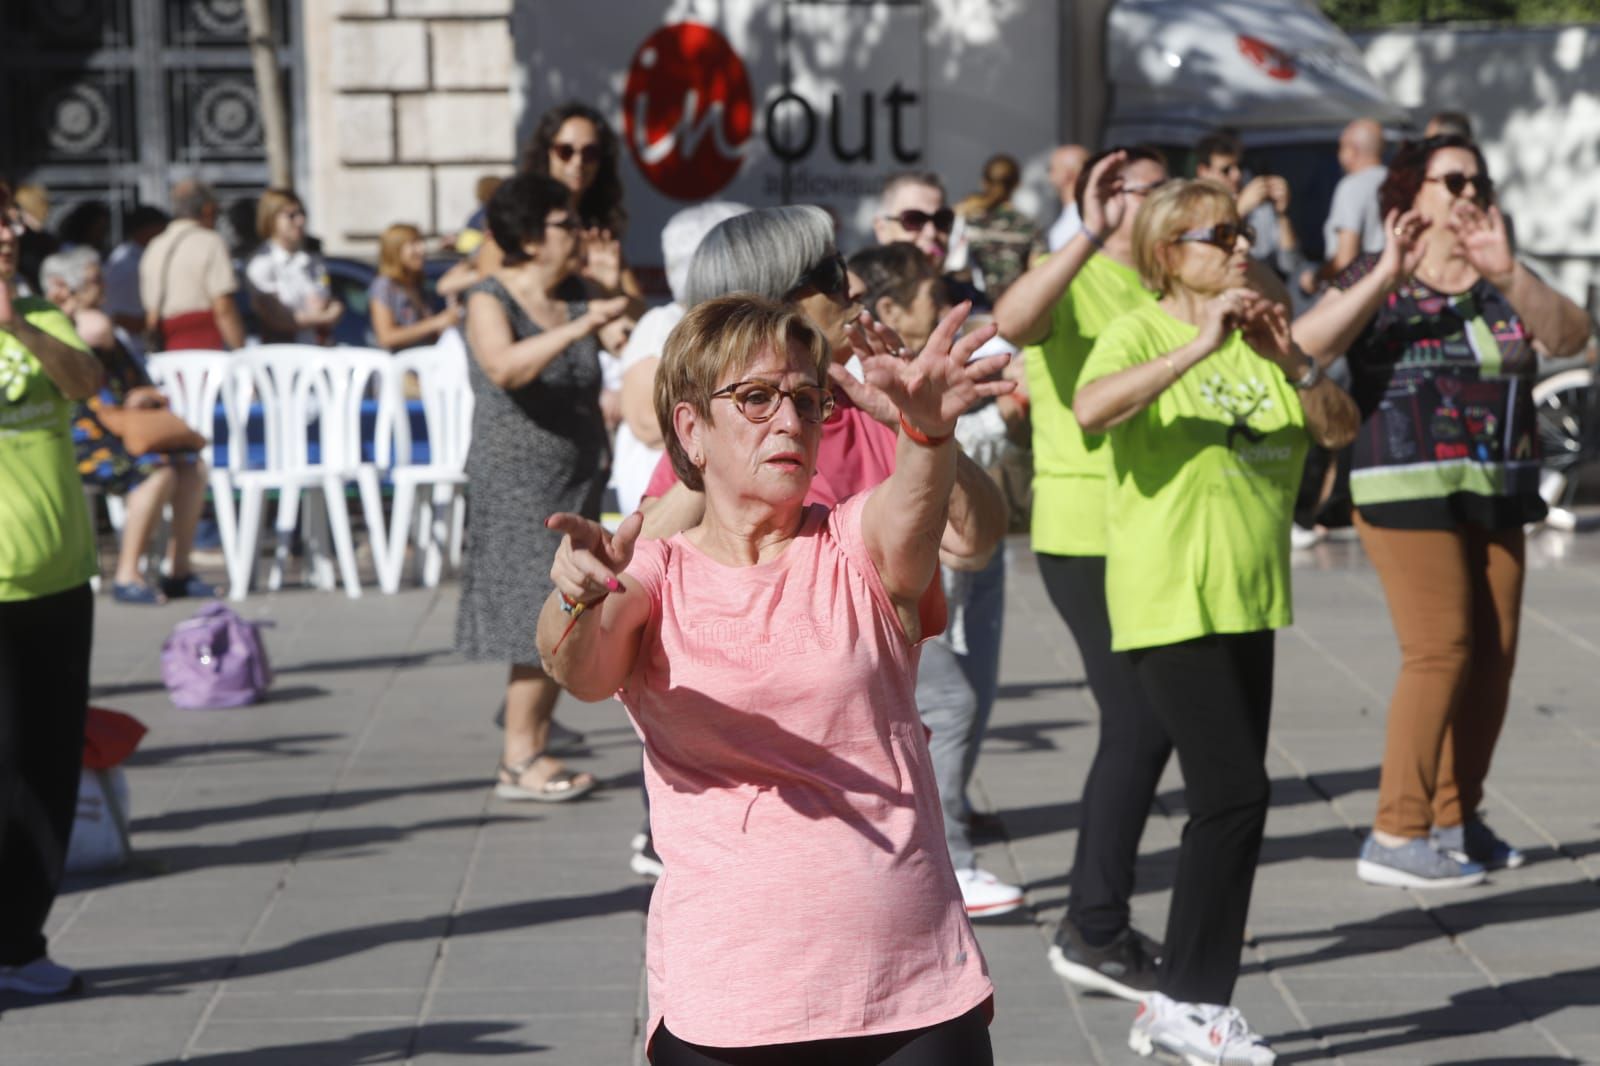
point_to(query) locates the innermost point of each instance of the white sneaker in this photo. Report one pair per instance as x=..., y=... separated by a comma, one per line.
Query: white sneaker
x=1302, y=539
x=645, y=861
x=986, y=895
x=41, y=977
x=1201, y=1034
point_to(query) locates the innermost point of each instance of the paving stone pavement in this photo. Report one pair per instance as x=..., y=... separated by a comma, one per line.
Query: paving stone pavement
x=326, y=878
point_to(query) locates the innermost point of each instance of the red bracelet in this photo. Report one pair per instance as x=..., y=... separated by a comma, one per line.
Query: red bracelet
x=919, y=437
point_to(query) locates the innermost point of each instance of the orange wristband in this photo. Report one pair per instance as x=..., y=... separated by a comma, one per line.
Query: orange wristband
x=919, y=437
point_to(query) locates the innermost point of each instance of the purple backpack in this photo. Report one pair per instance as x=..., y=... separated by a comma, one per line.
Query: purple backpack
x=215, y=659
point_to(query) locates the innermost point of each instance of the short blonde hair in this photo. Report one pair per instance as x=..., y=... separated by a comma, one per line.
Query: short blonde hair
x=272, y=201
x=1167, y=212
x=716, y=338
x=390, y=246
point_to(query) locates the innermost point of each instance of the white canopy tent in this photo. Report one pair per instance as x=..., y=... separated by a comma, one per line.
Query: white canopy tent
x=1277, y=71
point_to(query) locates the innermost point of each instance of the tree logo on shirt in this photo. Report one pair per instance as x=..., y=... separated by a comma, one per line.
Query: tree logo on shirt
x=14, y=374
x=1241, y=401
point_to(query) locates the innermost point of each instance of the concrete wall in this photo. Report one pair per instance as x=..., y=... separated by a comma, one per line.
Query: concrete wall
x=408, y=103
x=1534, y=98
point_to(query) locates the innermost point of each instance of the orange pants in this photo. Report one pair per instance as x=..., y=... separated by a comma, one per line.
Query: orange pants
x=1455, y=597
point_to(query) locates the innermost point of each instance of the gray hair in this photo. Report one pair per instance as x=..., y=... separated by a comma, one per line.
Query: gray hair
x=191, y=198
x=70, y=266
x=766, y=251
x=682, y=235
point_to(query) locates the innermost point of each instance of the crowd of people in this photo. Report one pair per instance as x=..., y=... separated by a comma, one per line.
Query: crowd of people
x=802, y=607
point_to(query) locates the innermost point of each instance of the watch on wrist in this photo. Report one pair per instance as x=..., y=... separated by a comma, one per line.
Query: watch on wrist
x=1309, y=377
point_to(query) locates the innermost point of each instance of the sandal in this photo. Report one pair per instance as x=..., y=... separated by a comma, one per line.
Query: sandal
x=559, y=787
x=137, y=592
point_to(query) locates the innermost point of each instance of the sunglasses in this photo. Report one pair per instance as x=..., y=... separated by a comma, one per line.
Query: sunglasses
x=1223, y=235
x=590, y=153
x=1456, y=183
x=912, y=220
x=1145, y=189
x=831, y=277
x=758, y=401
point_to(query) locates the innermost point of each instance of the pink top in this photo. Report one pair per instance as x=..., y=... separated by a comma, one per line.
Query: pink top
x=808, y=891
x=856, y=454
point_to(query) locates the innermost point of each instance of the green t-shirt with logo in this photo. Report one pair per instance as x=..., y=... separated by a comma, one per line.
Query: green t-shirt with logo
x=46, y=543
x=1202, y=490
x=1069, y=465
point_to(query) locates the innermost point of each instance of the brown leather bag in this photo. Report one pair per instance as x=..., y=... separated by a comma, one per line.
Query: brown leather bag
x=144, y=430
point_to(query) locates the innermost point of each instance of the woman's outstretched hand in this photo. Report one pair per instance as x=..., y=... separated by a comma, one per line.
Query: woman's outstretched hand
x=1484, y=241
x=1403, y=248
x=934, y=388
x=590, y=561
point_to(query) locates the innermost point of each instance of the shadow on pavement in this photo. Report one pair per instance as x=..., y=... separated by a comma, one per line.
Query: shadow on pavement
x=159, y=977
x=257, y=748
x=1402, y=929
x=277, y=807
x=1474, y=1013
x=383, y=1045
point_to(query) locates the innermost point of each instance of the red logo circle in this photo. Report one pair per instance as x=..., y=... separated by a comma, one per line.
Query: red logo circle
x=686, y=110
x=1275, y=61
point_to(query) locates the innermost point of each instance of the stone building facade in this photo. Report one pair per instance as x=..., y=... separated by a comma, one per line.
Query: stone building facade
x=408, y=103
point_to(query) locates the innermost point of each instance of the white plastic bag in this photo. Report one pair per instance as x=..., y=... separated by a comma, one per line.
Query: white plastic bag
x=100, y=830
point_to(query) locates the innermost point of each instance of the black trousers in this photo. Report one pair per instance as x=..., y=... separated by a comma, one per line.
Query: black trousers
x=1128, y=761
x=1214, y=697
x=44, y=696
x=962, y=1041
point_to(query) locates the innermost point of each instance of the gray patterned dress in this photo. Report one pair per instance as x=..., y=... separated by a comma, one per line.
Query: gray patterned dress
x=536, y=450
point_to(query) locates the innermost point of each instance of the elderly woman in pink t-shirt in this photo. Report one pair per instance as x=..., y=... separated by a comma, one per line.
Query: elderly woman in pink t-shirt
x=768, y=659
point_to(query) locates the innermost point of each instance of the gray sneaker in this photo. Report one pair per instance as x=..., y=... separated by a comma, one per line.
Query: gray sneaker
x=1475, y=842
x=1414, y=864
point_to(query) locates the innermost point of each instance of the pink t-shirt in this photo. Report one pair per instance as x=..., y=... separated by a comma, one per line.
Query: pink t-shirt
x=856, y=453
x=808, y=891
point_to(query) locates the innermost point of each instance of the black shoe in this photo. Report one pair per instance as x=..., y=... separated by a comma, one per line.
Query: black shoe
x=985, y=828
x=1125, y=968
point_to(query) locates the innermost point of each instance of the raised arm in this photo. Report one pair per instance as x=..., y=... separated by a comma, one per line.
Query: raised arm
x=1552, y=318
x=512, y=363
x=75, y=372
x=1115, y=398
x=1332, y=419
x=904, y=518
x=1023, y=312
x=589, y=627
x=1328, y=329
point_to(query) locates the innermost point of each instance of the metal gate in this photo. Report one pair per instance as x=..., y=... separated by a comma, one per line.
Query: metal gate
x=113, y=100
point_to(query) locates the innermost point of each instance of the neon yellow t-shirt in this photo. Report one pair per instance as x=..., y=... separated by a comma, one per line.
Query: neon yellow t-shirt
x=1202, y=490
x=46, y=543
x=1069, y=465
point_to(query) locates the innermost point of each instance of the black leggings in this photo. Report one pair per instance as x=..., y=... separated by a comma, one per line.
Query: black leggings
x=962, y=1041
x=44, y=696
x=1214, y=696
x=1128, y=760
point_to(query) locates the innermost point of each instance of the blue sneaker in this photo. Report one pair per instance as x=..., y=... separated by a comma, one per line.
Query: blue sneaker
x=1475, y=842
x=1414, y=864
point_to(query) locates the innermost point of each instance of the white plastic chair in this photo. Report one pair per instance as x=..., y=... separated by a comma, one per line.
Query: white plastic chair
x=431, y=492
x=193, y=382
x=296, y=390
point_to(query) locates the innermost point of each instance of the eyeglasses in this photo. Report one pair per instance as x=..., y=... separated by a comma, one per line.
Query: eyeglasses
x=758, y=401
x=831, y=277
x=569, y=223
x=912, y=220
x=590, y=153
x=1456, y=183
x=1223, y=235
x=1145, y=189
